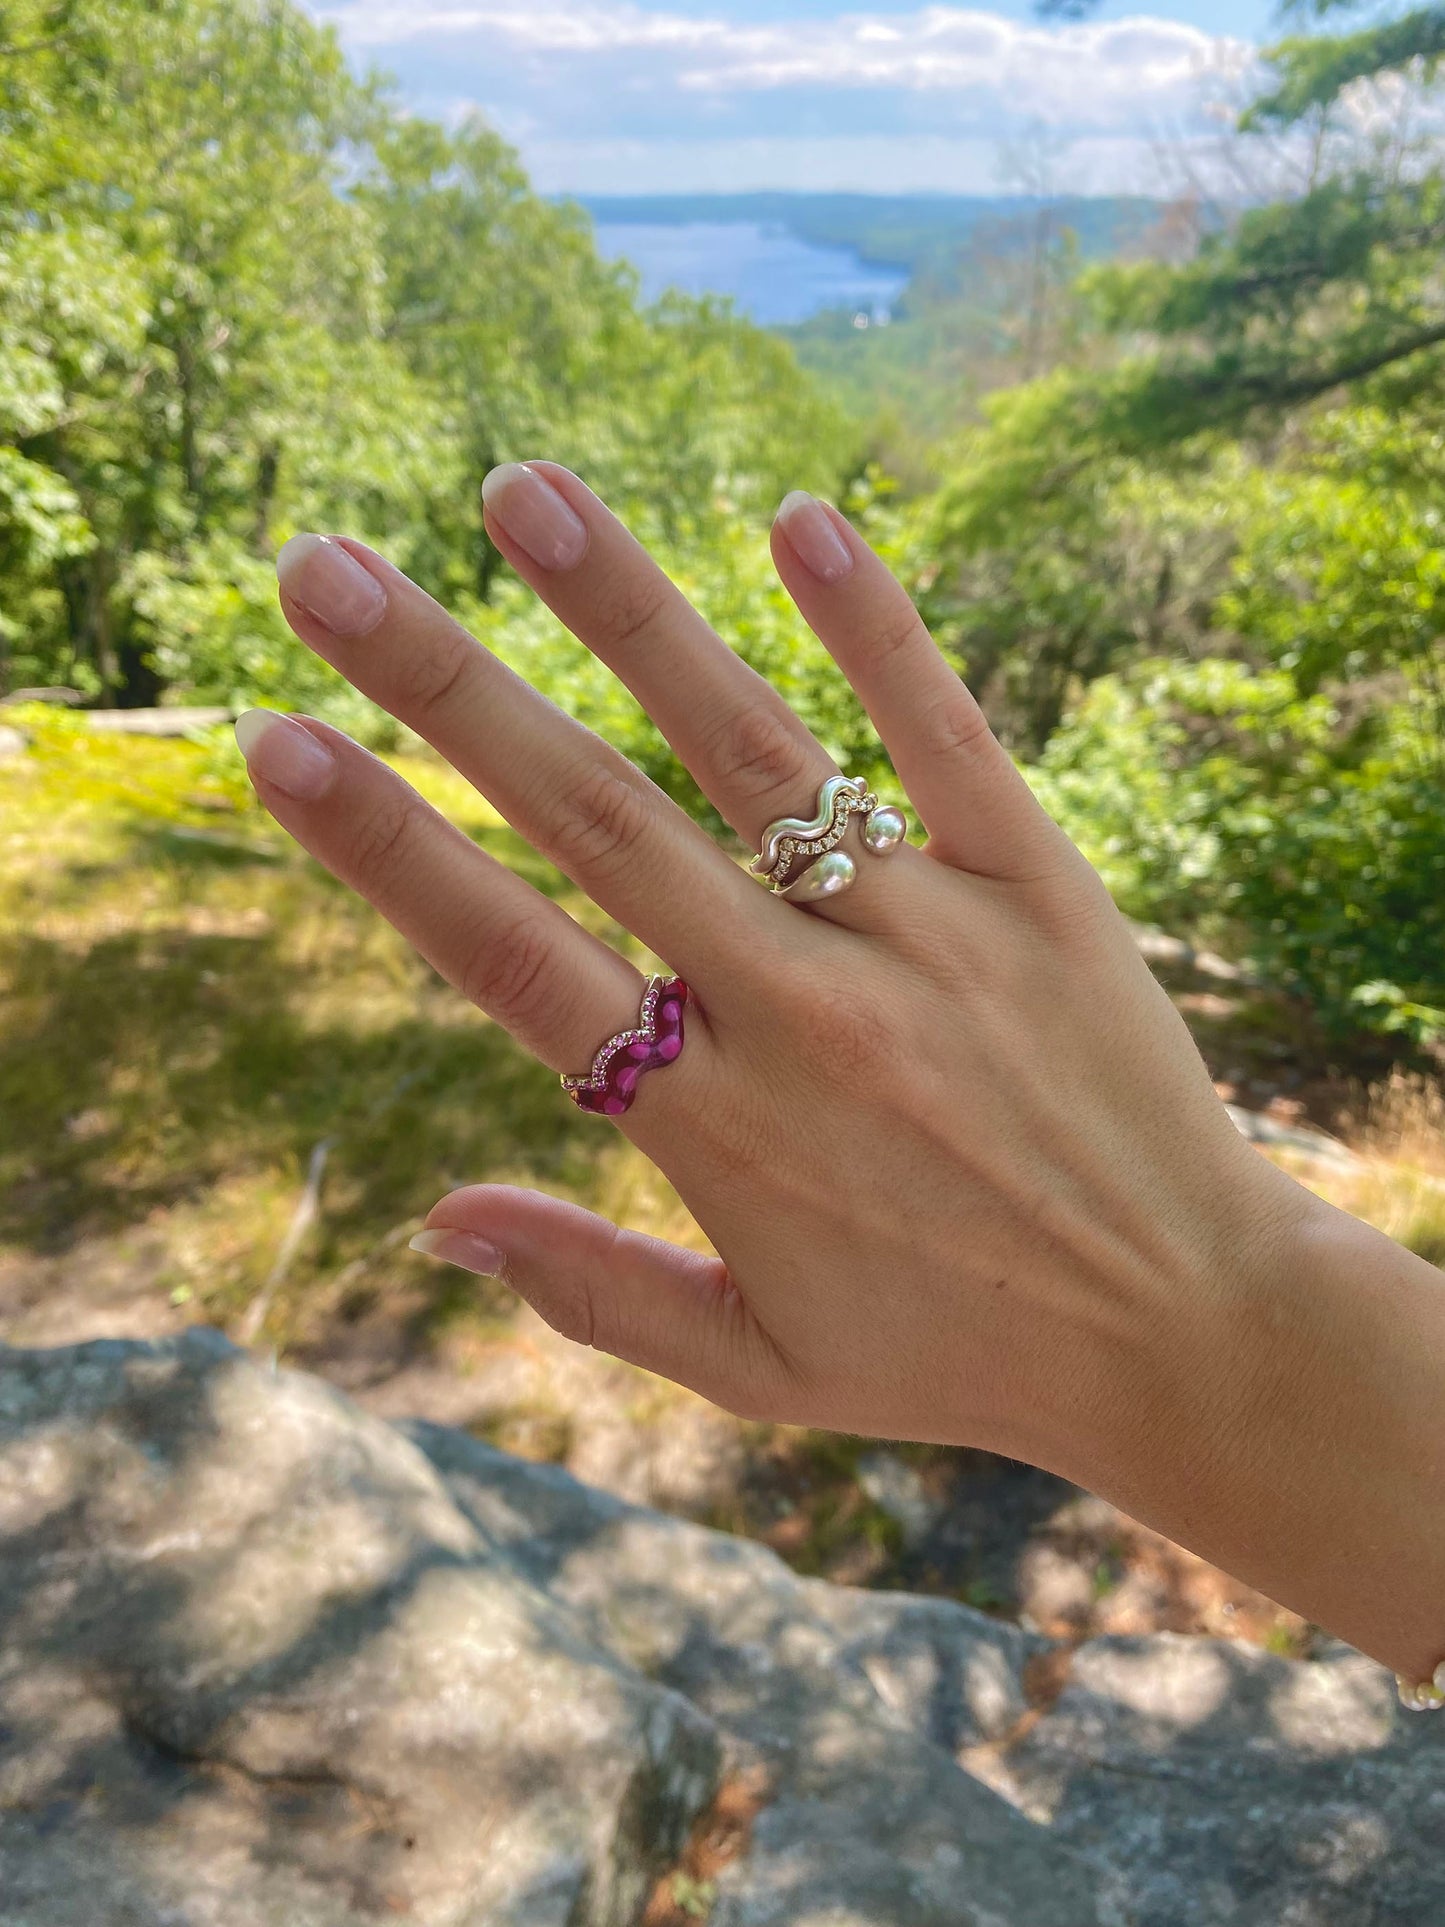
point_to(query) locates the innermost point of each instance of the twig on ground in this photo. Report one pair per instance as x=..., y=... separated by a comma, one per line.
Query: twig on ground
x=308, y=1209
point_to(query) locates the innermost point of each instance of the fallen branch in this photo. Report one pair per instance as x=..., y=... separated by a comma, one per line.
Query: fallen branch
x=308, y=1209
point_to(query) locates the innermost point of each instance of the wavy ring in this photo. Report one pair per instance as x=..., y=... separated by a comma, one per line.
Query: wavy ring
x=607, y=1090
x=797, y=829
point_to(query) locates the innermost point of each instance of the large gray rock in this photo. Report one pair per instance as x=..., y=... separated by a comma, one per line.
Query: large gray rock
x=258, y=1668
x=268, y=1662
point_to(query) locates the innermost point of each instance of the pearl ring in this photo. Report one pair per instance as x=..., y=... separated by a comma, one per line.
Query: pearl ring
x=799, y=856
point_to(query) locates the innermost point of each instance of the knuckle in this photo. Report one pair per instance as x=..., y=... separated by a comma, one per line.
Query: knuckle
x=755, y=752
x=566, y=1305
x=428, y=678
x=602, y=814
x=954, y=727
x=899, y=631
x=513, y=976
x=380, y=837
x=628, y=610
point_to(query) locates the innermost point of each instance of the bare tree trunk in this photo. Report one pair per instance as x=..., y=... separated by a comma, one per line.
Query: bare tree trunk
x=268, y=469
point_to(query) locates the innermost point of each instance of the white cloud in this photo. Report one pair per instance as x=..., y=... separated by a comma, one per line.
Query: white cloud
x=382, y=23
x=590, y=89
x=1083, y=72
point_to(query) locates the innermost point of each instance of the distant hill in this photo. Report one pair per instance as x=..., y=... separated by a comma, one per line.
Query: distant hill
x=918, y=233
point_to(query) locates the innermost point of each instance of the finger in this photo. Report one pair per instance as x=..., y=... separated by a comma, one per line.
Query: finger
x=571, y=795
x=979, y=812
x=512, y=951
x=751, y=755
x=671, y=1311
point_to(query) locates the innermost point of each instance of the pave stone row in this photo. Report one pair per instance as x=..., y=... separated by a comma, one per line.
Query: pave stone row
x=845, y=806
x=646, y=1035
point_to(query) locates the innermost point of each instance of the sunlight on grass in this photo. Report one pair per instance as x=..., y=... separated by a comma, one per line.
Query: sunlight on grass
x=190, y=1005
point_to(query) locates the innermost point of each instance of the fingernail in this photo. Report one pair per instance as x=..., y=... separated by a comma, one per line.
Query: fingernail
x=460, y=1248
x=330, y=584
x=814, y=536
x=285, y=754
x=535, y=516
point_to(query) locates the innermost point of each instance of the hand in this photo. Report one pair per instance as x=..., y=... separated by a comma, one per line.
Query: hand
x=964, y=1171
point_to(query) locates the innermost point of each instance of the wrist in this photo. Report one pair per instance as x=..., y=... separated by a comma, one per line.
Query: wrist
x=1279, y=1413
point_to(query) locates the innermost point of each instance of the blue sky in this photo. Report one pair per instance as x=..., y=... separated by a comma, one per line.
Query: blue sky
x=636, y=96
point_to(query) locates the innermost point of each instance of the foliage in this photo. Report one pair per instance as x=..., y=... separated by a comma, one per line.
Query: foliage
x=1200, y=560
x=1224, y=800
x=1187, y=542
x=241, y=294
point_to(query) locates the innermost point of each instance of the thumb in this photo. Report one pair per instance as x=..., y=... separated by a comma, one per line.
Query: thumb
x=671, y=1311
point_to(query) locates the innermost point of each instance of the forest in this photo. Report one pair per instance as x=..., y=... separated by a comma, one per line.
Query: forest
x=1183, y=534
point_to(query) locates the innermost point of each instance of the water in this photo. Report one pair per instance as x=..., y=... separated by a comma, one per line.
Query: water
x=772, y=275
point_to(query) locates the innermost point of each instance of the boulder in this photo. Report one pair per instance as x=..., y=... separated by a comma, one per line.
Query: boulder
x=271, y=1662
x=259, y=1667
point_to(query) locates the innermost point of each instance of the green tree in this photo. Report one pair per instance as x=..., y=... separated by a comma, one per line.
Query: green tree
x=241, y=294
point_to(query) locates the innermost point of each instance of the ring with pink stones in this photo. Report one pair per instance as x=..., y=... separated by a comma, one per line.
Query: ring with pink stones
x=609, y=1088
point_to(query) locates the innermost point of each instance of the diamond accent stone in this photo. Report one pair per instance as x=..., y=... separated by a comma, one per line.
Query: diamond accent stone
x=607, y=1090
x=792, y=853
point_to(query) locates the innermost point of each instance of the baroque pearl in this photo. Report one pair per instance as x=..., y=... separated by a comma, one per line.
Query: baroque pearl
x=885, y=830
x=830, y=876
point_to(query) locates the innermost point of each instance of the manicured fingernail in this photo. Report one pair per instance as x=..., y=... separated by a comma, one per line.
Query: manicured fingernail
x=815, y=539
x=535, y=516
x=285, y=754
x=460, y=1248
x=331, y=585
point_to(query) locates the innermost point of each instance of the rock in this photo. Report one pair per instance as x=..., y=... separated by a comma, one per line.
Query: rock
x=271, y=1661
x=853, y=1702
x=898, y=1491
x=260, y=1667
x=1158, y=947
x=1300, y=1140
x=1220, y=1783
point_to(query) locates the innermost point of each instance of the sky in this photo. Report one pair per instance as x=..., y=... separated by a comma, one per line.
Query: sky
x=691, y=96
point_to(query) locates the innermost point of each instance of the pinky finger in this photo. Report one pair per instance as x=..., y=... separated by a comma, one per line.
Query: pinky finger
x=671, y=1311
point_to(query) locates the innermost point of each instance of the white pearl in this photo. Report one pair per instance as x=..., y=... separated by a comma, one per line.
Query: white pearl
x=1439, y=1680
x=885, y=830
x=830, y=876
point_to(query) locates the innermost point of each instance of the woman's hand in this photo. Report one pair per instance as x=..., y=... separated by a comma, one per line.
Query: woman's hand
x=963, y=1168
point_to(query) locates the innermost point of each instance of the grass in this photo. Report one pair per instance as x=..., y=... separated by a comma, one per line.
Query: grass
x=1404, y=1137
x=188, y=1005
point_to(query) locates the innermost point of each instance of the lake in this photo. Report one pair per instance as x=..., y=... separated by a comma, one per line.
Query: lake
x=772, y=275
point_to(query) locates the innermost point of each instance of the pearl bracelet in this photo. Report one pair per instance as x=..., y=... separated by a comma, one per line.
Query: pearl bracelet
x=1428, y=1697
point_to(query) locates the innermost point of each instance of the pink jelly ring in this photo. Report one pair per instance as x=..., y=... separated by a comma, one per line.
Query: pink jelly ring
x=607, y=1090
